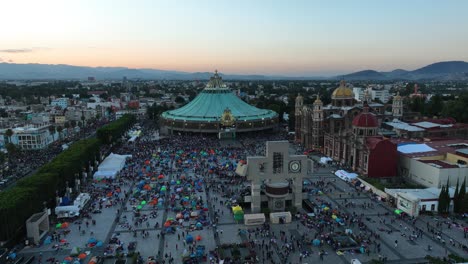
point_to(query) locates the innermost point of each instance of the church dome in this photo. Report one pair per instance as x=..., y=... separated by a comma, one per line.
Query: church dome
x=365, y=119
x=342, y=92
x=218, y=106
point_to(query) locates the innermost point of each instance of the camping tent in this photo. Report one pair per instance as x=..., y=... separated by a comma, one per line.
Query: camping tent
x=345, y=176
x=111, y=166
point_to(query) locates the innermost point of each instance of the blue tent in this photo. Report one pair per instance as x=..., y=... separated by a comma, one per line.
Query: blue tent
x=65, y=201
x=316, y=242
x=189, y=238
x=12, y=256
x=48, y=240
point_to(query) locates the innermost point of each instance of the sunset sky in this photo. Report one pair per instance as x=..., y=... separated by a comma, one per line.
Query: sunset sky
x=295, y=38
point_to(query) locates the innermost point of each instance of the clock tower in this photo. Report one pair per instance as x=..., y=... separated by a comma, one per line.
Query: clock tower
x=278, y=175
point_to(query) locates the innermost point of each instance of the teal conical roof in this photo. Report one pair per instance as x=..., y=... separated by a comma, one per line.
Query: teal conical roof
x=210, y=104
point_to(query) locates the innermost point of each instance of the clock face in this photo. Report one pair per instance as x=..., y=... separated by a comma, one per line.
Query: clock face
x=279, y=204
x=295, y=166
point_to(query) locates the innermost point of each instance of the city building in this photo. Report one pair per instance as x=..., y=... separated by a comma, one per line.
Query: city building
x=416, y=201
x=436, y=127
x=29, y=137
x=433, y=163
x=60, y=102
x=218, y=110
x=78, y=114
x=59, y=119
x=347, y=132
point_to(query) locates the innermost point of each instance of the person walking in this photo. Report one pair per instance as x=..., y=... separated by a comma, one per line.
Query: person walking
x=396, y=243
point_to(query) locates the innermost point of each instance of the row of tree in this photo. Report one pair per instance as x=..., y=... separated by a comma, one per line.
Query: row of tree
x=18, y=203
x=21, y=201
x=460, y=199
x=113, y=131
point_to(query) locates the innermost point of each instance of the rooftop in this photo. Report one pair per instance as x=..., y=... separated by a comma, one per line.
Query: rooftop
x=422, y=194
x=431, y=148
x=397, y=124
x=426, y=124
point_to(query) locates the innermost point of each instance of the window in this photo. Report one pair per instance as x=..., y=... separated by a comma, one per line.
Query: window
x=261, y=167
x=277, y=162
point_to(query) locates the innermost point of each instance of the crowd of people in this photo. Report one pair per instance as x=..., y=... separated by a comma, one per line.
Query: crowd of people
x=167, y=176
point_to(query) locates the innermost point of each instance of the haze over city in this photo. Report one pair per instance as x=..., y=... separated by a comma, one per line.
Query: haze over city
x=298, y=38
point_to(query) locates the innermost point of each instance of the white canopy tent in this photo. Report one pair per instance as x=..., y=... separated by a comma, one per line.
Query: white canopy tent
x=111, y=166
x=325, y=160
x=345, y=176
x=67, y=211
x=73, y=210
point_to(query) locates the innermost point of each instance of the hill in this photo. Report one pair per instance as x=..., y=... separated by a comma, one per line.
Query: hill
x=447, y=70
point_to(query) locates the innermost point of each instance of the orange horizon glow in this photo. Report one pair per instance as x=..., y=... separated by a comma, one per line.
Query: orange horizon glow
x=307, y=38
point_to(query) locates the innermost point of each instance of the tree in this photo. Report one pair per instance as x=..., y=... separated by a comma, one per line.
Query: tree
x=83, y=118
x=2, y=156
x=436, y=104
x=52, y=130
x=179, y=100
x=464, y=204
x=11, y=148
x=73, y=123
x=462, y=197
x=441, y=202
x=456, y=204
x=59, y=130
x=66, y=126
x=457, y=108
x=447, y=197
x=9, y=133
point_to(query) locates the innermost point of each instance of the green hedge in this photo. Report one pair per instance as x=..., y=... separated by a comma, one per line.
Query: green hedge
x=26, y=198
x=113, y=131
x=20, y=202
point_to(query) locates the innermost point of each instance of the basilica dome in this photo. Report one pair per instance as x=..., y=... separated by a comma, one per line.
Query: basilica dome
x=342, y=92
x=217, y=107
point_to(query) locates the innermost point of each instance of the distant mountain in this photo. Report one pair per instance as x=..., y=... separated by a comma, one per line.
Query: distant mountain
x=13, y=71
x=365, y=75
x=447, y=70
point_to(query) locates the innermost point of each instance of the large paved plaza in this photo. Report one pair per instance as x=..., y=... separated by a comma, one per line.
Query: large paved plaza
x=181, y=187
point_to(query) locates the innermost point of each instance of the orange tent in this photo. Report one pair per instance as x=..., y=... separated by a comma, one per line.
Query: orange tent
x=82, y=256
x=198, y=238
x=167, y=224
x=93, y=260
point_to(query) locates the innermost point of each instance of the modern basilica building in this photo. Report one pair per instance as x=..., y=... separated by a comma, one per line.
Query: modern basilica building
x=218, y=110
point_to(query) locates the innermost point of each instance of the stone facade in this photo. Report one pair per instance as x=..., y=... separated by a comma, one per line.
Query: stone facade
x=276, y=174
x=332, y=129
